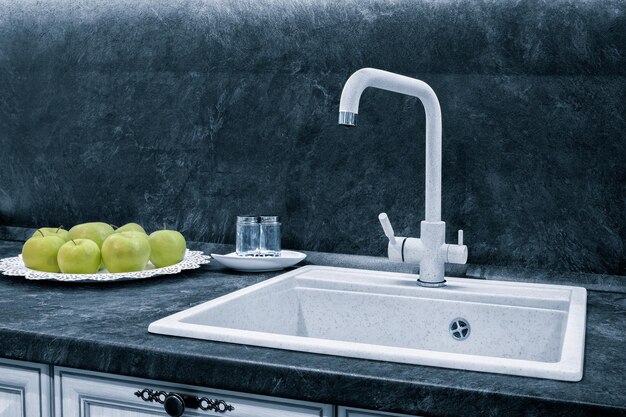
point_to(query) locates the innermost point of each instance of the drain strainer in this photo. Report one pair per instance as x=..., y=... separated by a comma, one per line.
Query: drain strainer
x=459, y=329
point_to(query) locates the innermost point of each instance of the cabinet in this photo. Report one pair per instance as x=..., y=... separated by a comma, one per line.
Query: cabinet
x=89, y=394
x=357, y=412
x=24, y=389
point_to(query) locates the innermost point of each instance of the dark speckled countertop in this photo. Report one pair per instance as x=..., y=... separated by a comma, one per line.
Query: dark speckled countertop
x=104, y=327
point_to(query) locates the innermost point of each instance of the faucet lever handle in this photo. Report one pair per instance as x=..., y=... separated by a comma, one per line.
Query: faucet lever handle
x=384, y=222
x=460, y=237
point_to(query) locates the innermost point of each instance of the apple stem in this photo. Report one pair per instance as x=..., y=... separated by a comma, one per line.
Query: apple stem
x=42, y=235
x=164, y=226
x=59, y=229
x=73, y=242
x=113, y=226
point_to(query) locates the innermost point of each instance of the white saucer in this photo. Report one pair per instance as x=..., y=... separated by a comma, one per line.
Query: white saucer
x=286, y=259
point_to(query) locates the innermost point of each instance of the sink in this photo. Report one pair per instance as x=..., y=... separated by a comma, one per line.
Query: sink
x=513, y=328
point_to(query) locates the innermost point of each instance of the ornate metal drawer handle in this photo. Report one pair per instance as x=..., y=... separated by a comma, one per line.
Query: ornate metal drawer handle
x=175, y=404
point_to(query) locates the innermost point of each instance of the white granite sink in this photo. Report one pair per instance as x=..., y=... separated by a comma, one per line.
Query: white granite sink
x=512, y=328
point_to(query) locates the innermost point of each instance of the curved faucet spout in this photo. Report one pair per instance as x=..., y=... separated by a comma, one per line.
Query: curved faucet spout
x=370, y=77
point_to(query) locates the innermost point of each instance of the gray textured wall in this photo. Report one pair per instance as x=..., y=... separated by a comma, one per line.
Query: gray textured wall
x=190, y=112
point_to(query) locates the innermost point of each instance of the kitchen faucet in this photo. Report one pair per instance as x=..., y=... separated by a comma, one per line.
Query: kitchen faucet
x=429, y=251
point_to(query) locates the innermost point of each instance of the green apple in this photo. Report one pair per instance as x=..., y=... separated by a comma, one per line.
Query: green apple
x=40, y=253
x=52, y=231
x=131, y=227
x=126, y=252
x=167, y=247
x=79, y=256
x=96, y=231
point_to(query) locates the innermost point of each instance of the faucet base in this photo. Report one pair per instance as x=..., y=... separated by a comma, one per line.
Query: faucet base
x=431, y=284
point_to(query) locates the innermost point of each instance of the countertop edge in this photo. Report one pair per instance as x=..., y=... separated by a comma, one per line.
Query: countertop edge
x=210, y=368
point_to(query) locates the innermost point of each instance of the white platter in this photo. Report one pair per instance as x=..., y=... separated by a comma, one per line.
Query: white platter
x=15, y=267
x=286, y=259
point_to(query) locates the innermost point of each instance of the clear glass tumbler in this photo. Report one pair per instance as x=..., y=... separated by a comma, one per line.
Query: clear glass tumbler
x=269, y=239
x=247, y=243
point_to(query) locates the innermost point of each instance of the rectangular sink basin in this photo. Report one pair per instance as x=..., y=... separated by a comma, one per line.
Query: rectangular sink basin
x=511, y=328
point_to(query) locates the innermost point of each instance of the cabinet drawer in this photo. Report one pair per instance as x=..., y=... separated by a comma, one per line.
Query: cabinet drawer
x=24, y=389
x=89, y=394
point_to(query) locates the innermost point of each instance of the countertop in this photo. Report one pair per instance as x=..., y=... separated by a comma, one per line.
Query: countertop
x=104, y=327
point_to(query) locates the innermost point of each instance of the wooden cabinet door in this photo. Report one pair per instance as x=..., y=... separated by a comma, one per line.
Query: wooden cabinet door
x=90, y=394
x=24, y=389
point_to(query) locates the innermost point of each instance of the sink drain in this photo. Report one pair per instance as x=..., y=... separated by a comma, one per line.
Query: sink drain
x=459, y=329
